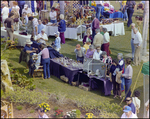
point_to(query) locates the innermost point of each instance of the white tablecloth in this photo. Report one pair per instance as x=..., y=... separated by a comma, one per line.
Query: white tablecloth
x=116, y=28
x=70, y=33
x=21, y=38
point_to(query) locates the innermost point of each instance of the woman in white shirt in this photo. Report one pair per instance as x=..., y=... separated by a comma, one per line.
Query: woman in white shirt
x=136, y=101
x=15, y=6
x=41, y=113
x=53, y=15
x=4, y=13
x=106, y=39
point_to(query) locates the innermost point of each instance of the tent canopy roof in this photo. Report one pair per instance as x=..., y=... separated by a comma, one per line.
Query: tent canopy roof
x=145, y=68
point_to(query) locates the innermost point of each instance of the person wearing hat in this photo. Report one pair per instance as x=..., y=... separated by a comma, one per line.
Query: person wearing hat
x=4, y=13
x=28, y=49
x=41, y=37
x=128, y=113
x=106, y=40
x=27, y=10
x=90, y=52
x=122, y=65
x=130, y=104
x=80, y=52
x=97, y=53
x=57, y=43
x=98, y=38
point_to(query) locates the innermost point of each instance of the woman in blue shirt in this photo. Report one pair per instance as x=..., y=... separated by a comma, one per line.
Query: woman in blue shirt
x=62, y=28
x=113, y=72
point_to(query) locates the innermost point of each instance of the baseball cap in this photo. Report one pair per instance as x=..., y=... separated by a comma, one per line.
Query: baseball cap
x=127, y=109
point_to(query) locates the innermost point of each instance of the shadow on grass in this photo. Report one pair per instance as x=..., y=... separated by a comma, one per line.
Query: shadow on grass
x=118, y=50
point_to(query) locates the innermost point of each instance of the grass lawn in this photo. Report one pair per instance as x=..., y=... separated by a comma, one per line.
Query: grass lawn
x=118, y=44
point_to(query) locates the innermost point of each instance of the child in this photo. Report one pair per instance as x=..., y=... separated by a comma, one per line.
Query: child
x=57, y=45
x=124, y=11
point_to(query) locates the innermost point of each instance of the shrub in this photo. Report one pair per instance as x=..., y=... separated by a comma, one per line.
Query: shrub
x=58, y=113
x=24, y=96
x=78, y=113
x=19, y=107
x=55, y=108
x=32, y=111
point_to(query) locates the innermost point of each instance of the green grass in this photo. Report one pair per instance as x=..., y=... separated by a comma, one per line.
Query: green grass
x=118, y=44
x=19, y=107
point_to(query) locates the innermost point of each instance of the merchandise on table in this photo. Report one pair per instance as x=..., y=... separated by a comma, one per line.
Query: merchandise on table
x=108, y=21
x=94, y=68
x=69, y=62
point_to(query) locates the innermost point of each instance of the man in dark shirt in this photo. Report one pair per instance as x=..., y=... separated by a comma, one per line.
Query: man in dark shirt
x=130, y=104
x=9, y=25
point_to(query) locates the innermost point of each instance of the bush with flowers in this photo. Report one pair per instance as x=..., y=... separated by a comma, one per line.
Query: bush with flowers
x=73, y=114
x=89, y=115
x=45, y=106
x=58, y=113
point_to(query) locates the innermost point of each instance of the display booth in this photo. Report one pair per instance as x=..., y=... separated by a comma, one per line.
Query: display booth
x=145, y=71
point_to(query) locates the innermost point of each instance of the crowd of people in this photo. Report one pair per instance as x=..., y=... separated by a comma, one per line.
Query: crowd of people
x=95, y=45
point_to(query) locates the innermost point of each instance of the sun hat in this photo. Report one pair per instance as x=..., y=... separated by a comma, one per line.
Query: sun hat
x=25, y=6
x=56, y=33
x=28, y=41
x=78, y=46
x=127, y=109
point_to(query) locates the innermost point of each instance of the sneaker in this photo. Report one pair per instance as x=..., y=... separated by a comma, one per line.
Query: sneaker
x=115, y=96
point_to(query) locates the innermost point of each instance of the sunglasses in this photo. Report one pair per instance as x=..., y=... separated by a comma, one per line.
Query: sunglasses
x=127, y=100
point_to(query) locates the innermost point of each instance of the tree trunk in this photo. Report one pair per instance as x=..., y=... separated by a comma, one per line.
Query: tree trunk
x=145, y=27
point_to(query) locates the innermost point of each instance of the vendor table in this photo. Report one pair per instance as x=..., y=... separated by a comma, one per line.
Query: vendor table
x=113, y=15
x=70, y=33
x=21, y=38
x=116, y=28
x=95, y=82
x=57, y=69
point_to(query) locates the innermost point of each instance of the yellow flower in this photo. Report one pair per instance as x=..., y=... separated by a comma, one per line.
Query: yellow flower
x=45, y=110
x=40, y=106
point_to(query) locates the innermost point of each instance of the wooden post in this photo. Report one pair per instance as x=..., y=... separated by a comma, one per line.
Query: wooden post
x=145, y=27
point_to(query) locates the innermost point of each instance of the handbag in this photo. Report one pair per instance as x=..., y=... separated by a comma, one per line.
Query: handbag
x=118, y=77
x=137, y=107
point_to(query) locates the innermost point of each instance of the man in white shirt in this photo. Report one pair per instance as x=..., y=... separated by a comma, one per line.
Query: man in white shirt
x=97, y=53
x=132, y=39
x=26, y=9
x=4, y=13
x=128, y=113
x=53, y=15
x=137, y=44
x=99, y=5
x=42, y=37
